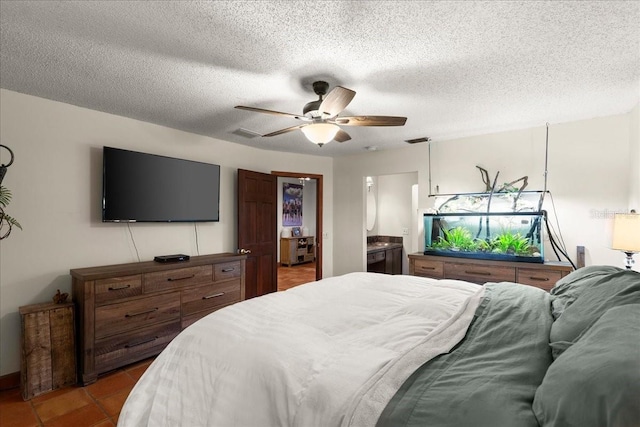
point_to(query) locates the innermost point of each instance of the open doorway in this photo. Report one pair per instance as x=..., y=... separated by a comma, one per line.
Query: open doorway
x=299, y=243
x=391, y=216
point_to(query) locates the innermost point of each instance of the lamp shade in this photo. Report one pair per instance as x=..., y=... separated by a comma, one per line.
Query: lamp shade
x=320, y=133
x=626, y=232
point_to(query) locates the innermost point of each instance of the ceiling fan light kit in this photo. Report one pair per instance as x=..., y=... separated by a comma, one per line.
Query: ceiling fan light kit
x=321, y=116
x=320, y=133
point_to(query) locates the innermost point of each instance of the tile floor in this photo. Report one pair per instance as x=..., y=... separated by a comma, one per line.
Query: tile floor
x=288, y=277
x=99, y=404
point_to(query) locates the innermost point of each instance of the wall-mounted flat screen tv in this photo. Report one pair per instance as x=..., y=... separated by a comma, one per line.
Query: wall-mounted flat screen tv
x=141, y=187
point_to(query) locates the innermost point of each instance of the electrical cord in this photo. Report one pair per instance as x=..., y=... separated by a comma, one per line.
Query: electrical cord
x=133, y=240
x=195, y=227
x=554, y=245
x=551, y=239
x=555, y=214
x=555, y=237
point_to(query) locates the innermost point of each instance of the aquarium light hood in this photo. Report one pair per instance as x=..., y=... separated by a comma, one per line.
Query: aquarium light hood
x=485, y=194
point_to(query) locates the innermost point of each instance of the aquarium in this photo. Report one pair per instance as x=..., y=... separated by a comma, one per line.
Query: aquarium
x=506, y=227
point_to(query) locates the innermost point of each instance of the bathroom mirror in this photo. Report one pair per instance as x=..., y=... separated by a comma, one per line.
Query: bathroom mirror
x=371, y=205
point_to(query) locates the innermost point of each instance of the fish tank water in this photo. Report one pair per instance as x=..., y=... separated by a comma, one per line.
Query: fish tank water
x=498, y=226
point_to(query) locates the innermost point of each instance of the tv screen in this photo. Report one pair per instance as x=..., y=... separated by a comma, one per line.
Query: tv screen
x=140, y=187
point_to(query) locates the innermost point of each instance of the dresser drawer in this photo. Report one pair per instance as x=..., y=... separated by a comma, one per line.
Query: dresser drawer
x=543, y=279
x=192, y=318
x=178, y=278
x=115, y=351
x=428, y=268
x=479, y=273
x=126, y=316
x=210, y=297
x=113, y=289
x=227, y=270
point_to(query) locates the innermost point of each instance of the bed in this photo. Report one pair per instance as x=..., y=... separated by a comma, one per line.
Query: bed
x=367, y=349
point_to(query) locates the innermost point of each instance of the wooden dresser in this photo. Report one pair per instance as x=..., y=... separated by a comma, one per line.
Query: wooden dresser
x=542, y=276
x=128, y=312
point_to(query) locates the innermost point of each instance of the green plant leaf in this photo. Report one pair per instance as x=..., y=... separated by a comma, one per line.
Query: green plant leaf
x=507, y=242
x=12, y=221
x=5, y=196
x=459, y=238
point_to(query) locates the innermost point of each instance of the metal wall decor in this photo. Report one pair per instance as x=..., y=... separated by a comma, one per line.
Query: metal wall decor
x=3, y=168
x=6, y=221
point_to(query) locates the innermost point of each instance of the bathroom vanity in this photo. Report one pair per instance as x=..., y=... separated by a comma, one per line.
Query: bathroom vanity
x=384, y=254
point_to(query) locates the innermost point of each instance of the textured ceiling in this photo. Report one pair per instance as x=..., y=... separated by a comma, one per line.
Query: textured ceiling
x=452, y=68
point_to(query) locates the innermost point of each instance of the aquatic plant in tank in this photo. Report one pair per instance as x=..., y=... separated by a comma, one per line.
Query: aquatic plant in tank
x=505, y=226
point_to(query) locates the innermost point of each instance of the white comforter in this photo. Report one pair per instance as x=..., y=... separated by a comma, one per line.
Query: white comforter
x=328, y=353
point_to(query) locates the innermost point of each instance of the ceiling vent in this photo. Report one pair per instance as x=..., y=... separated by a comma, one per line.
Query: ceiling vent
x=417, y=140
x=246, y=133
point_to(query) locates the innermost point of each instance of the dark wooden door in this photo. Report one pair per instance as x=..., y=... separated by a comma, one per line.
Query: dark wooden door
x=257, y=209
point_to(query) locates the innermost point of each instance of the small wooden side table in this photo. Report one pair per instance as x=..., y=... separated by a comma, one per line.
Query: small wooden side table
x=48, y=359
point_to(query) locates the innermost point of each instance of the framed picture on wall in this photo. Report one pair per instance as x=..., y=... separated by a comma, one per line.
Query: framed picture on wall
x=291, y=204
x=296, y=231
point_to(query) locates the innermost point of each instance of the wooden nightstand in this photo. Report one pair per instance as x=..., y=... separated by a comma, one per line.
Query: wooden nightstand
x=48, y=359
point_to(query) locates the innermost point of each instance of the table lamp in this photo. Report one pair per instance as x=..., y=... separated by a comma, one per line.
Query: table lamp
x=626, y=235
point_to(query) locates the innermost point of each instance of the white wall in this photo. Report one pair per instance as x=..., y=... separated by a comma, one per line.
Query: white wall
x=589, y=176
x=634, y=160
x=56, y=186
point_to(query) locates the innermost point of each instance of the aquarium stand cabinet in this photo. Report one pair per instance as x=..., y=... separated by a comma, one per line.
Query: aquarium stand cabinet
x=542, y=276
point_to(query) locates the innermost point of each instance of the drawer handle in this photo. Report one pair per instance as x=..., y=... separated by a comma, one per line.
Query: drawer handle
x=171, y=279
x=478, y=273
x=214, y=295
x=539, y=279
x=141, y=312
x=427, y=268
x=119, y=288
x=137, y=343
x=228, y=270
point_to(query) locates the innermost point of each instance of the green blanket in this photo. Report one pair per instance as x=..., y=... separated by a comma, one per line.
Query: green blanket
x=489, y=379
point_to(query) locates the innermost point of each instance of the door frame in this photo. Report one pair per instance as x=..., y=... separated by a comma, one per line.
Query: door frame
x=319, y=210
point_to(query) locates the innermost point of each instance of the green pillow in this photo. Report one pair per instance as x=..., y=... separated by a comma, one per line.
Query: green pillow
x=569, y=288
x=612, y=290
x=596, y=381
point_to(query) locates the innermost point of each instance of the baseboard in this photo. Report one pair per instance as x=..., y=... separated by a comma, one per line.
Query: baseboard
x=9, y=381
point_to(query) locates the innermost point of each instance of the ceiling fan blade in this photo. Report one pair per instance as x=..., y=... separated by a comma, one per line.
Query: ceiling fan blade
x=370, y=121
x=336, y=101
x=281, y=131
x=341, y=136
x=275, y=113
